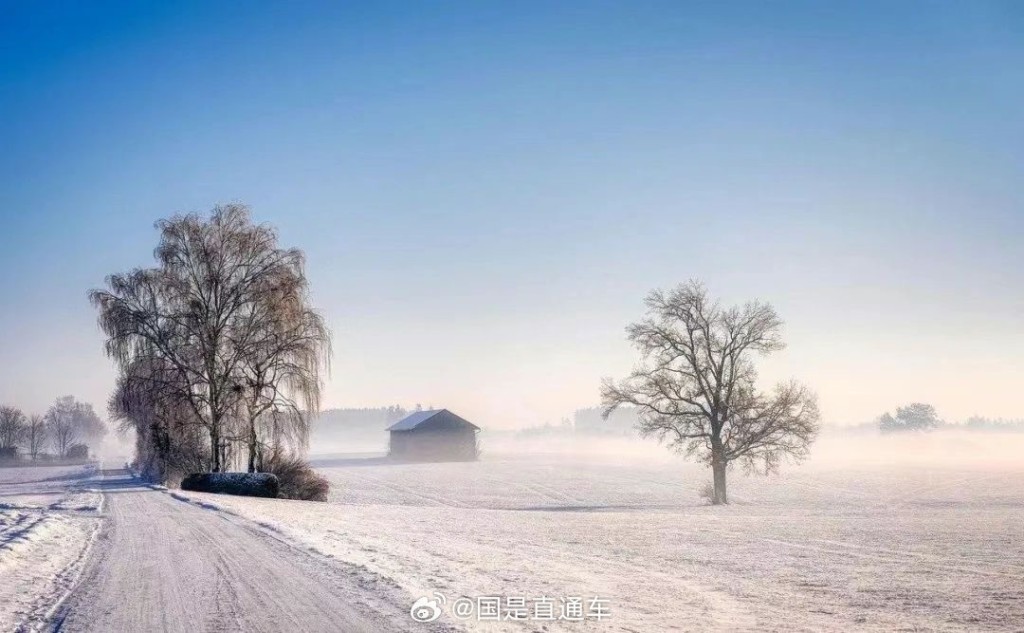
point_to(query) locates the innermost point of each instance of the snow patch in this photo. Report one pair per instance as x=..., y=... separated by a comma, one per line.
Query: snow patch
x=42, y=546
x=814, y=549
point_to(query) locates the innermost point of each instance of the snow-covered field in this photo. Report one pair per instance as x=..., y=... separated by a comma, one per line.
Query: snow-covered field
x=48, y=516
x=915, y=534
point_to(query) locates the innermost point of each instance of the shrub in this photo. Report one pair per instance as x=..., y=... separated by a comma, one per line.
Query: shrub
x=78, y=451
x=707, y=492
x=298, y=479
x=244, y=484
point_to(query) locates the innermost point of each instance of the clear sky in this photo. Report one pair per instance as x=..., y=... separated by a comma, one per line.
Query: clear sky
x=486, y=191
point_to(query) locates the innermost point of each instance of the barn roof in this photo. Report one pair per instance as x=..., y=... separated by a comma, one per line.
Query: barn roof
x=440, y=416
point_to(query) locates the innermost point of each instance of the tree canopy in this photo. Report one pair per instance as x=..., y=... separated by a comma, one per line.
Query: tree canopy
x=695, y=385
x=217, y=338
x=916, y=416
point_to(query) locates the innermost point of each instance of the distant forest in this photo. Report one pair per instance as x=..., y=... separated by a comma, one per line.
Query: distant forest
x=973, y=423
x=364, y=429
x=978, y=423
x=590, y=421
x=354, y=430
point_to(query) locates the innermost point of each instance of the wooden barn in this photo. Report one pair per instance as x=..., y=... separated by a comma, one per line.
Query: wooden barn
x=433, y=436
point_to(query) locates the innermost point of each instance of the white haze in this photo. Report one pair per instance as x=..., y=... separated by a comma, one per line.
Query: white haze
x=913, y=532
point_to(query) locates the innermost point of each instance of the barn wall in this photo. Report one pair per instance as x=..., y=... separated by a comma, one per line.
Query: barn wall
x=434, y=445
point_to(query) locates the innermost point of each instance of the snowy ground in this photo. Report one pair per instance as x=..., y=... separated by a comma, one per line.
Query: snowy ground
x=163, y=565
x=48, y=517
x=930, y=540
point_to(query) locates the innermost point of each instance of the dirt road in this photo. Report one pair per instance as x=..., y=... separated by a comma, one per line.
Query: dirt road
x=161, y=564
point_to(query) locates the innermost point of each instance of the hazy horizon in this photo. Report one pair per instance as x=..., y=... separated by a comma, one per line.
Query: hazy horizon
x=485, y=198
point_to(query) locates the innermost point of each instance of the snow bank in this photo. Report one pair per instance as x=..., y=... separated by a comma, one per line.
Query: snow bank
x=47, y=521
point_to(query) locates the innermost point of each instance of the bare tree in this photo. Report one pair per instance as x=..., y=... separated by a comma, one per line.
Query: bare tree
x=695, y=386
x=12, y=427
x=282, y=358
x=69, y=421
x=149, y=400
x=218, y=313
x=35, y=435
x=92, y=430
x=62, y=425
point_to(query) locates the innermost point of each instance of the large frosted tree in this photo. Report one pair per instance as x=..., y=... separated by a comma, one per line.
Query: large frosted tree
x=695, y=385
x=12, y=427
x=221, y=327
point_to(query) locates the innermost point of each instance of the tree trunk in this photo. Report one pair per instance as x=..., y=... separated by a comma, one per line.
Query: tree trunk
x=215, y=416
x=718, y=464
x=215, y=446
x=252, y=445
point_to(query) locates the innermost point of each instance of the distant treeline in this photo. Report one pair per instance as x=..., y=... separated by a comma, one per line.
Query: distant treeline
x=973, y=423
x=365, y=428
x=355, y=429
x=622, y=423
x=590, y=421
x=978, y=423
x=65, y=432
x=368, y=418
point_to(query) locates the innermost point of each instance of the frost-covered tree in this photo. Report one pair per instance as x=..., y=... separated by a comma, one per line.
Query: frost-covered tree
x=281, y=361
x=219, y=334
x=12, y=427
x=35, y=435
x=916, y=416
x=62, y=425
x=887, y=423
x=695, y=385
x=149, y=400
x=69, y=421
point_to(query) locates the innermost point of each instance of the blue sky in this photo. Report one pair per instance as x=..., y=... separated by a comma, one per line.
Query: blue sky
x=486, y=191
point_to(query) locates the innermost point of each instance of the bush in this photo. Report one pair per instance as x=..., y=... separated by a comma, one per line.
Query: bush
x=707, y=492
x=298, y=479
x=78, y=451
x=244, y=484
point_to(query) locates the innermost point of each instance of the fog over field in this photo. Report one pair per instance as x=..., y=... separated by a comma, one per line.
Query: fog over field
x=835, y=447
x=916, y=532
x=873, y=532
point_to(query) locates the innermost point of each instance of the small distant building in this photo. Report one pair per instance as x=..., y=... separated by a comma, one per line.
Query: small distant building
x=434, y=436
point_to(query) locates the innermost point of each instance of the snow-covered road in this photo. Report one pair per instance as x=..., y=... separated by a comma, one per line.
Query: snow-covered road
x=161, y=564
